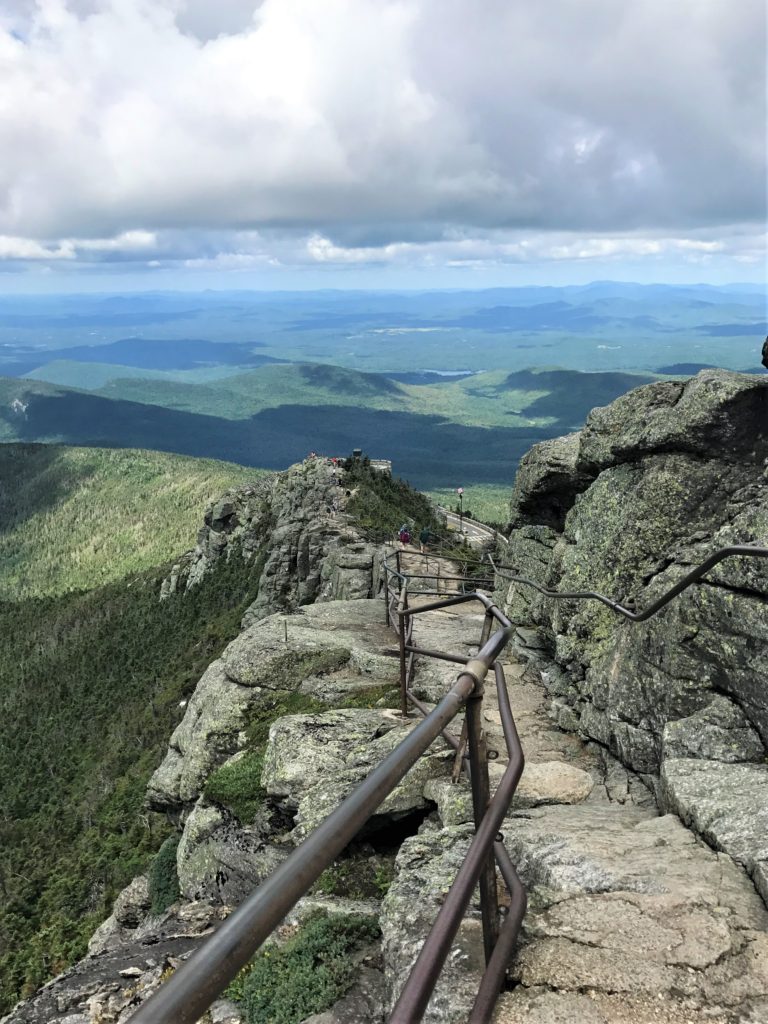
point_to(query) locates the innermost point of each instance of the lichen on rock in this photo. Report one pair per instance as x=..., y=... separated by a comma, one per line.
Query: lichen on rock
x=293, y=529
x=657, y=481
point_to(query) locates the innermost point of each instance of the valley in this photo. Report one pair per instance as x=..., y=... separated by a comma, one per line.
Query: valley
x=74, y=518
x=92, y=670
x=452, y=386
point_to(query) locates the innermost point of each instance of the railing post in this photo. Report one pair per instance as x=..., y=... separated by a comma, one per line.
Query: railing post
x=401, y=616
x=481, y=794
x=386, y=592
x=485, y=634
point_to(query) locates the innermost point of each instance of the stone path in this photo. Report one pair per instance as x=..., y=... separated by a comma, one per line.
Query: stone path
x=441, y=572
x=631, y=919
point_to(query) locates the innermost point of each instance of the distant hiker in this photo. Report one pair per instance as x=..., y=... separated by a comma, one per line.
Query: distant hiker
x=424, y=537
x=404, y=535
x=765, y=353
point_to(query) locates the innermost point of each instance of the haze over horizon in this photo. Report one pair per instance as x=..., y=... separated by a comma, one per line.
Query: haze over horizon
x=361, y=144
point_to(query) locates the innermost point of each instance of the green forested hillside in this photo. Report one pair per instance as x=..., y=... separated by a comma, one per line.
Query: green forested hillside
x=534, y=397
x=90, y=376
x=92, y=669
x=75, y=518
x=90, y=685
x=441, y=434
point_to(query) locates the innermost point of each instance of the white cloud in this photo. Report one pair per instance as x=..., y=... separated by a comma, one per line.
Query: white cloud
x=362, y=131
x=128, y=242
x=14, y=248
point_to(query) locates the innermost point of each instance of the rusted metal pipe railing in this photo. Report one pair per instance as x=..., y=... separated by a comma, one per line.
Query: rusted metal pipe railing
x=481, y=797
x=189, y=992
x=415, y=994
x=496, y=967
x=194, y=986
x=732, y=551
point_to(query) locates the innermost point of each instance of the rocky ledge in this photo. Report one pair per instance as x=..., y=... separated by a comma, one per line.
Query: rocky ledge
x=653, y=484
x=632, y=919
x=293, y=528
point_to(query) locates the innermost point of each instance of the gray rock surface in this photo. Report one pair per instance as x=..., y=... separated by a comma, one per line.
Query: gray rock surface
x=129, y=911
x=312, y=761
x=224, y=1011
x=221, y=860
x=547, y=782
x=658, y=480
x=108, y=987
x=547, y=482
x=621, y=902
x=715, y=411
x=293, y=528
x=260, y=663
x=725, y=803
x=315, y=761
x=426, y=866
x=364, y=1002
x=539, y=1005
x=718, y=732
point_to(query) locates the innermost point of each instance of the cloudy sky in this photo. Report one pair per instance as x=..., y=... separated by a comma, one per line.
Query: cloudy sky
x=349, y=143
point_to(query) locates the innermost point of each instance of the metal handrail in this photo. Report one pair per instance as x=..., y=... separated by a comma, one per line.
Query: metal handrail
x=187, y=994
x=194, y=986
x=418, y=987
x=487, y=844
x=731, y=551
x=477, y=579
x=490, y=531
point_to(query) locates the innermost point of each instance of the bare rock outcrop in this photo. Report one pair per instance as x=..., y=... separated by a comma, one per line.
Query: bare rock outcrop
x=293, y=528
x=657, y=481
x=274, y=657
x=725, y=803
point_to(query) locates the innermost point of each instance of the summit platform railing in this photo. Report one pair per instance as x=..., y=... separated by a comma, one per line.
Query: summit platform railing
x=196, y=984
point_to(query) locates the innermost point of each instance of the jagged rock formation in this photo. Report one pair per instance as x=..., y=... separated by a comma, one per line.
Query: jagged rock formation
x=294, y=529
x=650, y=487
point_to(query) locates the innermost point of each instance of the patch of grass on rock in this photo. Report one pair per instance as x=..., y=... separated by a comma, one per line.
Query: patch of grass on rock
x=277, y=705
x=236, y=785
x=163, y=877
x=357, y=878
x=308, y=974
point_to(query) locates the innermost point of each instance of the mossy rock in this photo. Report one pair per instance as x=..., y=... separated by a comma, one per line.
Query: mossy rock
x=236, y=785
x=308, y=974
x=163, y=877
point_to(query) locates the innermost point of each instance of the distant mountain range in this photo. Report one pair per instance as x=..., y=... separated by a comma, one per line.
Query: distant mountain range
x=453, y=386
